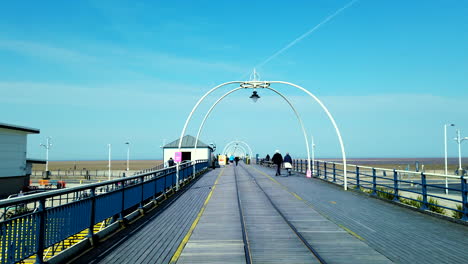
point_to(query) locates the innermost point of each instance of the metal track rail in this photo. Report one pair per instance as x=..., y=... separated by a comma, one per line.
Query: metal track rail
x=248, y=256
x=299, y=235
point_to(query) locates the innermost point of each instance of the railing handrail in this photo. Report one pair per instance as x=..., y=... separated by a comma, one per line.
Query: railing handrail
x=392, y=185
x=48, y=194
x=401, y=171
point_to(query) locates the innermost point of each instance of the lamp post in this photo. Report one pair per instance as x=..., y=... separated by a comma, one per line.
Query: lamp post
x=313, y=155
x=459, y=140
x=128, y=155
x=109, y=176
x=47, y=147
x=445, y=144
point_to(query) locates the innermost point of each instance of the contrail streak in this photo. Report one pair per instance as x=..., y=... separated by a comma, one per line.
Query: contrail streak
x=294, y=42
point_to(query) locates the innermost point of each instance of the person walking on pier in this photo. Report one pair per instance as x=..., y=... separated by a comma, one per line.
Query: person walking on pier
x=278, y=160
x=236, y=159
x=287, y=163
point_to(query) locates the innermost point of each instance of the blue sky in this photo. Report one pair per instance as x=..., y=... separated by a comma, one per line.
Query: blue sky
x=90, y=73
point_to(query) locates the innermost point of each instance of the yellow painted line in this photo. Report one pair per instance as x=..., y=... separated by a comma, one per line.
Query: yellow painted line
x=184, y=242
x=310, y=205
x=297, y=196
x=351, y=232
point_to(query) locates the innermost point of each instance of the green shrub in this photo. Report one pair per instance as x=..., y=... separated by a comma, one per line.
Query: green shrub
x=417, y=204
x=385, y=193
x=366, y=190
x=433, y=206
x=456, y=214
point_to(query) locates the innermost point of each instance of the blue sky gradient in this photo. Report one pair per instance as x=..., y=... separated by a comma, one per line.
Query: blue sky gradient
x=89, y=73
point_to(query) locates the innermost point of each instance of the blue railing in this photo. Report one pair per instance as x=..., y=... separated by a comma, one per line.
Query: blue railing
x=35, y=222
x=425, y=191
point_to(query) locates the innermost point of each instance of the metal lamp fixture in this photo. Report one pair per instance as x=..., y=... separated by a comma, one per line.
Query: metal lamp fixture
x=254, y=96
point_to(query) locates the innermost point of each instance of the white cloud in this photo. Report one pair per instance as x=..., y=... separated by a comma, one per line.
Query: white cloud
x=47, y=51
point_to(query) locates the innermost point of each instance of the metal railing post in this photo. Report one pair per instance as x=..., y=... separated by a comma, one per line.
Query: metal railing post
x=142, y=178
x=92, y=215
x=395, y=185
x=324, y=170
x=358, y=182
x=122, y=209
x=464, y=193
x=301, y=166
x=374, y=182
x=334, y=172
x=194, y=169
x=155, y=181
x=40, y=234
x=318, y=169
x=424, y=192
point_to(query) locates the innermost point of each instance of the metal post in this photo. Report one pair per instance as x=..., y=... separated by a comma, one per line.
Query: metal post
x=395, y=185
x=47, y=147
x=318, y=168
x=459, y=140
x=177, y=174
x=194, y=164
x=128, y=155
x=40, y=242
x=92, y=215
x=324, y=170
x=122, y=209
x=109, y=176
x=142, y=178
x=47, y=155
x=357, y=178
x=424, y=192
x=334, y=172
x=313, y=155
x=446, y=167
x=374, y=182
x=464, y=194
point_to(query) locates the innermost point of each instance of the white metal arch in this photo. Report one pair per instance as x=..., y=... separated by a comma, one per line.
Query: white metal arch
x=262, y=84
x=238, y=141
x=282, y=96
x=338, y=133
x=230, y=149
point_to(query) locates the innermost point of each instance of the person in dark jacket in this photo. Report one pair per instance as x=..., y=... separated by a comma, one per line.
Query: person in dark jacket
x=287, y=159
x=236, y=159
x=170, y=162
x=267, y=158
x=278, y=160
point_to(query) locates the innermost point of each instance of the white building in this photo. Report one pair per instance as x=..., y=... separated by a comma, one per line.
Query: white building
x=203, y=151
x=15, y=168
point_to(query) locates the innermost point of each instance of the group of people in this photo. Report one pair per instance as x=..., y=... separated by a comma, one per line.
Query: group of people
x=278, y=160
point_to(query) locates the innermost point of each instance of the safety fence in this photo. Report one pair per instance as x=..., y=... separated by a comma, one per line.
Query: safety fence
x=92, y=174
x=32, y=223
x=443, y=194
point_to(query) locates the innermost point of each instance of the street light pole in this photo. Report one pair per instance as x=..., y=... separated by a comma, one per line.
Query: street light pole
x=109, y=176
x=459, y=140
x=47, y=147
x=445, y=144
x=128, y=155
x=313, y=155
